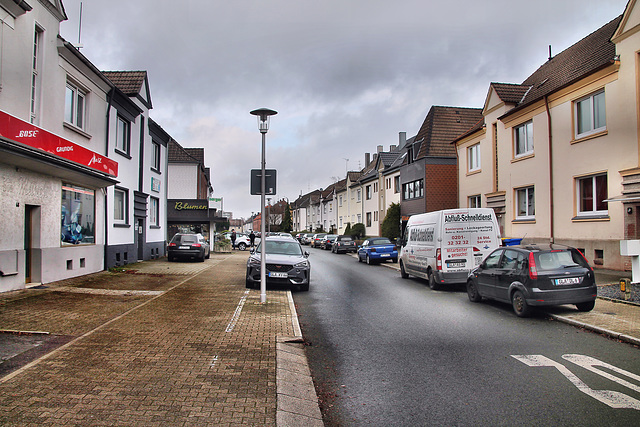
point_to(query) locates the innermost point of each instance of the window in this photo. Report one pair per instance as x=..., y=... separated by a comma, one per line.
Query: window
x=525, y=203
x=154, y=211
x=120, y=205
x=473, y=154
x=368, y=219
x=359, y=193
x=78, y=215
x=155, y=156
x=36, y=78
x=590, y=114
x=375, y=187
x=523, y=136
x=396, y=183
x=74, y=106
x=413, y=190
x=592, y=191
x=475, y=201
x=368, y=192
x=340, y=201
x=123, y=135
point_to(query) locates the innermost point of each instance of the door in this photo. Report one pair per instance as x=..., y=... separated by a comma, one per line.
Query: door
x=140, y=233
x=28, y=241
x=511, y=270
x=487, y=274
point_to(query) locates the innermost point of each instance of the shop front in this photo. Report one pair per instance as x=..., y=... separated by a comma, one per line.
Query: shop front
x=53, y=196
x=189, y=216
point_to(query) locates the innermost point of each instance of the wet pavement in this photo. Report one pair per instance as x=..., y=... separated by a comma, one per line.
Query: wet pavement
x=157, y=344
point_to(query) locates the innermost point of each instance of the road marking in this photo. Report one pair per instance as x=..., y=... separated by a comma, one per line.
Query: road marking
x=614, y=399
x=589, y=363
x=236, y=315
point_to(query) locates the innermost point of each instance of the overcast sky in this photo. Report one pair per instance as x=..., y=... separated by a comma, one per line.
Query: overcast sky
x=344, y=75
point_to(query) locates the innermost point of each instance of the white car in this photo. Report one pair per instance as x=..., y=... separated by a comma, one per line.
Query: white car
x=242, y=240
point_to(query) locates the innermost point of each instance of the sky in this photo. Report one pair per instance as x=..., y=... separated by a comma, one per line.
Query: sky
x=345, y=76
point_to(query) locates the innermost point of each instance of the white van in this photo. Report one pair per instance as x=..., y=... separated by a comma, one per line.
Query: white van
x=443, y=246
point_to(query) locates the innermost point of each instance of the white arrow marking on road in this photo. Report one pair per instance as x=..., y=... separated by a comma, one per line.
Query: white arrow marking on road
x=589, y=363
x=614, y=399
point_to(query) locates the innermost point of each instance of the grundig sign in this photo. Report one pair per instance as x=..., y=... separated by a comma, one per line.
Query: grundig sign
x=186, y=206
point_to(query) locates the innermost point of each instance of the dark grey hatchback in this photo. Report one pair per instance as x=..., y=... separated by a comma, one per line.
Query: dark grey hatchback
x=532, y=275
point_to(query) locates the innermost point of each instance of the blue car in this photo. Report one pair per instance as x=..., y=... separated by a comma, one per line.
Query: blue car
x=377, y=249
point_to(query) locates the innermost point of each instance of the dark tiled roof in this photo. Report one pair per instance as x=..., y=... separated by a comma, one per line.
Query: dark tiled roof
x=587, y=56
x=196, y=153
x=129, y=82
x=510, y=93
x=178, y=154
x=341, y=185
x=354, y=176
x=441, y=126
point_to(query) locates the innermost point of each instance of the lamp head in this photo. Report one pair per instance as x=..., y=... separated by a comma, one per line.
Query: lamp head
x=263, y=118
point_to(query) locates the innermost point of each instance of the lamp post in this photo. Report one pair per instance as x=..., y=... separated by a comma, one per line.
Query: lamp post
x=263, y=115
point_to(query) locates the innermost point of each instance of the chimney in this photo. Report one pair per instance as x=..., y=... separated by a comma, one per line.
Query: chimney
x=367, y=159
x=392, y=147
x=402, y=140
x=380, y=148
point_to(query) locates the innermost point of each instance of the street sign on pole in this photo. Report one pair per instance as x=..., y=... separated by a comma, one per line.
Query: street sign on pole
x=270, y=182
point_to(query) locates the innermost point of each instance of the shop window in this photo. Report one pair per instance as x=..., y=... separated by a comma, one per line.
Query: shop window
x=78, y=215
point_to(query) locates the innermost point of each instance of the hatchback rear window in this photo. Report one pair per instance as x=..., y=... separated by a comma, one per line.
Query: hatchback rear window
x=554, y=260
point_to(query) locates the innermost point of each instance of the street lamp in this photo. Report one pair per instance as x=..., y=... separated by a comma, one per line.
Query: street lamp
x=263, y=115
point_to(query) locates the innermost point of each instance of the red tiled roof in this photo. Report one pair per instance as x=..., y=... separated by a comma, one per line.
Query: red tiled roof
x=510, y=93
x=129, y=82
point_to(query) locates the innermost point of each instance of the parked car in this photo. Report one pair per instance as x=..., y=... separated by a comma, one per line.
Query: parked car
x=242, y=240
x=532, y=275
x=286, y=264
x=188, y=245
x=343, y=244
x=327, y=241
x=377, y=249
x=316, y=240
x=306, y=238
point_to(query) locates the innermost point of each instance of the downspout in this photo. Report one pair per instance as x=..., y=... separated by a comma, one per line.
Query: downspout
x=551, y=207
x=106, y=194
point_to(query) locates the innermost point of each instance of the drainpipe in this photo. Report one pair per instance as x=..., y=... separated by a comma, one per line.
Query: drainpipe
x=106, y=194
x=551, y=207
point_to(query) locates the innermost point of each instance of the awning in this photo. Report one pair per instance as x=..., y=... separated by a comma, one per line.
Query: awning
x=623, y=198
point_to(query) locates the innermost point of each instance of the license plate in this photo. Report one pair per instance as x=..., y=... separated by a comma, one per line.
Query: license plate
x=383, y=255
x=184, y=247
x=277, y=275
x=456, y=264
x=568, y=281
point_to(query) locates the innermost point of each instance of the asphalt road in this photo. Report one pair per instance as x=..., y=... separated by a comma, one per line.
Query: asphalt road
x=388, y=351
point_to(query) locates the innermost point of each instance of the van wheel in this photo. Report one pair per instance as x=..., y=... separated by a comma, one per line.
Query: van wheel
x=403, y=273
x=520, y=306
x=472, y=292
x=432, y=282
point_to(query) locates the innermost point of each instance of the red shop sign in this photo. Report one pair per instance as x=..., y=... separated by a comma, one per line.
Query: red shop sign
x=18, y=130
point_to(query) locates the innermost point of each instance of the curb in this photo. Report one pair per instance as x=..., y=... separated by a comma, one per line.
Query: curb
x=297, y=401
x=616, y=335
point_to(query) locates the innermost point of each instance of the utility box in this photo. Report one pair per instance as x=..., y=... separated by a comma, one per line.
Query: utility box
x=632, y=248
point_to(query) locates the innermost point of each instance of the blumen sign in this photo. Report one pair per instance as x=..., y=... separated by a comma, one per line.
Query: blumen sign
x=20, y=131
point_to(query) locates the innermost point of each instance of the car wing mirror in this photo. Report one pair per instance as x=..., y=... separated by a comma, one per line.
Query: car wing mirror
x=306, y=254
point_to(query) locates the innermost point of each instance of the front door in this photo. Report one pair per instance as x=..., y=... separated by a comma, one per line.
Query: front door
x=28, y=241
x=140, y=233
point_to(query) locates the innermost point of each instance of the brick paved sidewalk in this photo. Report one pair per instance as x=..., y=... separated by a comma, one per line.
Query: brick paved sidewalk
x=201, y=352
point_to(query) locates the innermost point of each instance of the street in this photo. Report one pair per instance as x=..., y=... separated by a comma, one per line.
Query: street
x=388, y=351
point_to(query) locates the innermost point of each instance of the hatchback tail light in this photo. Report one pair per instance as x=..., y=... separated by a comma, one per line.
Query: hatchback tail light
x=196, y=245
x=533, y=270
x=438, y=259
x=172, y=244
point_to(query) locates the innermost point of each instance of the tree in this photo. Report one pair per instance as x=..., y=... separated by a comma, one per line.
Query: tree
x=347, y=230
x=358, y=230
x=287, y=223
x=391, y=222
